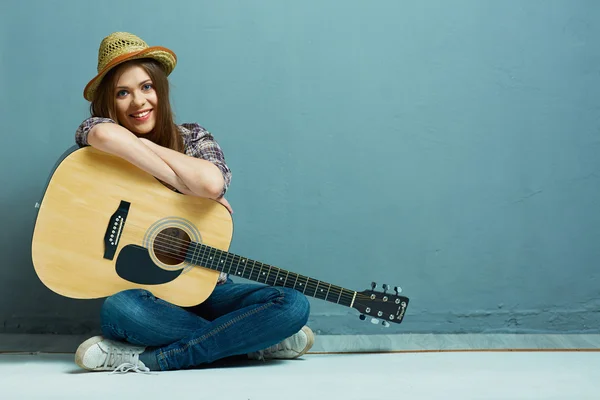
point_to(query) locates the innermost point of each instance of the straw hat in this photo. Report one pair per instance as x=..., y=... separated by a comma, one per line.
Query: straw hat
x=119, y=47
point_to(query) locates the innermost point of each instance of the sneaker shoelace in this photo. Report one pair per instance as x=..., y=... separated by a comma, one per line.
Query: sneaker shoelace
x=286, y=345
x=123, y=361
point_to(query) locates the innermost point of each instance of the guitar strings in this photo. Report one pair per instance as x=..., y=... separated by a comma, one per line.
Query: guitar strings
x=181, y=246
x=205, y=257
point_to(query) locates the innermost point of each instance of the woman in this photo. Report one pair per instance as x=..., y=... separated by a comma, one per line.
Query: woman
x=132, y=118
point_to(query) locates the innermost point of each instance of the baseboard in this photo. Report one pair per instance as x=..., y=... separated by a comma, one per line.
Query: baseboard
x=27, y=343
x=454, y=342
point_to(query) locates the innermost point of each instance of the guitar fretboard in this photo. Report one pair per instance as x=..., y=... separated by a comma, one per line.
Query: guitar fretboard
x=223, y=261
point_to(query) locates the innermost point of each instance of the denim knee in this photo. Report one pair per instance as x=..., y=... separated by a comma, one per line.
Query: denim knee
x=123, y=303
x=297, y=306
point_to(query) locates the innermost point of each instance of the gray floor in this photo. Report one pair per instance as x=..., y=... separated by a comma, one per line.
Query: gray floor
x=355, y=343
x=418, y=375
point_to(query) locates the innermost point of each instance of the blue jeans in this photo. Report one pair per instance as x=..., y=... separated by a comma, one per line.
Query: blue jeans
x=236, y=319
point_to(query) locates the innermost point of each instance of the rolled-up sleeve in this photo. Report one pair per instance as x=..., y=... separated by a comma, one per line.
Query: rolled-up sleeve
x=202, y=144
x=81, y=135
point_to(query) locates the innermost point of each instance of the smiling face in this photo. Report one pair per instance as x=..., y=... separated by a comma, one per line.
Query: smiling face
x=138, y=86
x=136, y=101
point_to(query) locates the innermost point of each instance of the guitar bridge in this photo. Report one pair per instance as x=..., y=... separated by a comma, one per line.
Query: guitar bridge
x=114, y=229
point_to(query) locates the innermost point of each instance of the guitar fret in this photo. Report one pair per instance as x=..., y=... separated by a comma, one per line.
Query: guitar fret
x=198, y=253
x=316, y=288
x=332, y=292
x=244, y=271
x=269, y=276
x=238, y=264
x=280, y=279
x=194, y=250
x=350, y=294
x=320, y=293
x=227, y=263
x=205, y=258
x=292, y=281
x=237, y=267
x=286, y=278
x=265, y=274
x=251, y=272
x=223, y=260
x=259, y=273
x=304, y=290
x=202, y=256
x=191, y=249
x=213, y=257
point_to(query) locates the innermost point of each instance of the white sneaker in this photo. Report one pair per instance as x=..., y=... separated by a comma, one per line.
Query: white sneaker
x=292, y=347
x=99, y=354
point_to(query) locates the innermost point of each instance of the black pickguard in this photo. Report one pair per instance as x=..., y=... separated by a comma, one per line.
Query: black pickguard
x=135, y=265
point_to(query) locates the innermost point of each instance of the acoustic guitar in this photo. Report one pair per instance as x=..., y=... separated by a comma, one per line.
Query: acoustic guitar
x=104, y=225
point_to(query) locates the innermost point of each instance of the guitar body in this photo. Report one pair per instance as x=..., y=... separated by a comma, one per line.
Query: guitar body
x=93, y=195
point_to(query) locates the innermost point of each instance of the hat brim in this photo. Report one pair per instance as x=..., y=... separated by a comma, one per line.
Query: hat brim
x=166, y=57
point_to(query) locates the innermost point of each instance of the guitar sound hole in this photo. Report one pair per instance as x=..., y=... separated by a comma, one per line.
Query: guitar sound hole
x=171, y=246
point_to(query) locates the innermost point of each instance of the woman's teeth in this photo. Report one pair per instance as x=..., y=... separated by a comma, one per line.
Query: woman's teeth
x=141, y=115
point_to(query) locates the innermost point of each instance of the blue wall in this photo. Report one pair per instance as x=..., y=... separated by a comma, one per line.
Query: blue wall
x=452, y=148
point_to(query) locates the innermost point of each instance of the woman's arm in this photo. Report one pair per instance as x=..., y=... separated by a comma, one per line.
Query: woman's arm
x=119, y=141
x=201, y=176
x=114, y=139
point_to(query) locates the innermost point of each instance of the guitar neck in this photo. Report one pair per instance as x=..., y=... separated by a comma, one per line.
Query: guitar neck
x=223, y=261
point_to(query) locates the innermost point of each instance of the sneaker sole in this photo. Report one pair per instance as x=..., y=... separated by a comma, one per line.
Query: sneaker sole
x=83, y=347
x=310, y=336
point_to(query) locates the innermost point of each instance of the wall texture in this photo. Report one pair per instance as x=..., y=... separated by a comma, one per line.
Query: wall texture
x=452, y=148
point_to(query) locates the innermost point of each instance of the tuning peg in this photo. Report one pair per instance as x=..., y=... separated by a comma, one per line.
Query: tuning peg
x=374, y=321
x=385, y=288
x=385, y=323
x=362, y=317
x=373, y=285
x=397, y=289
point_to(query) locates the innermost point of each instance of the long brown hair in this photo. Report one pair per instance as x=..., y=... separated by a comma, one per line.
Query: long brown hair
x=165, y=132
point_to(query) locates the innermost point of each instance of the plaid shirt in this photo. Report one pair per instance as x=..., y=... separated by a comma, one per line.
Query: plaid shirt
x=197, y=142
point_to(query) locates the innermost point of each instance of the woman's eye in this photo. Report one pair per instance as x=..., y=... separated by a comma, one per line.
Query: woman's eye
x=121, y=93
x=147, y=86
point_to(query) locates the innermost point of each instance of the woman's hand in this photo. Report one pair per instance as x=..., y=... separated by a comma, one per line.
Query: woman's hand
x=223, y=201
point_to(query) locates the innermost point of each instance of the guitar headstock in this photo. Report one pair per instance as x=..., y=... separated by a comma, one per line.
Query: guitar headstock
x=383, y=306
